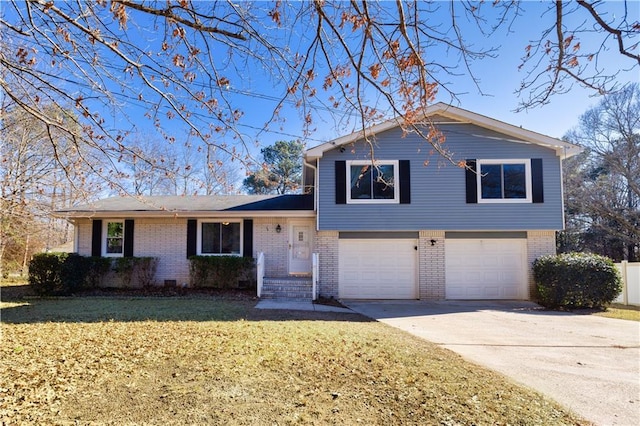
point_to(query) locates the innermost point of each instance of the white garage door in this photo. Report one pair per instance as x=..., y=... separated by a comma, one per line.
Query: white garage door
x=486, y=269
x=377, y=269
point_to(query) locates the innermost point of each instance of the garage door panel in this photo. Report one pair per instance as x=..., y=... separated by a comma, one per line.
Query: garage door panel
x=377, y=269
x=485, y=269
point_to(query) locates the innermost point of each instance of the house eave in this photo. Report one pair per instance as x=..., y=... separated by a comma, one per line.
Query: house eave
x=563, y=149
x=135, y=214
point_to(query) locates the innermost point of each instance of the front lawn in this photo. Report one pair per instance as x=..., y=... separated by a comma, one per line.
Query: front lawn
x=630, y=312
x=211, y=360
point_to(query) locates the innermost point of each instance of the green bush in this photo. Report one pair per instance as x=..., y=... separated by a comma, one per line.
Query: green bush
x=59, y=274
x=135, y=271
x=45, y=273
x=100, y=267
x=123, y=267
x=74, y=271
x=576, y=280
x=220, y=271
x=145, y=270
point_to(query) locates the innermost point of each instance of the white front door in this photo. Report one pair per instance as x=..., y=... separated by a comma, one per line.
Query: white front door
x=300, y=247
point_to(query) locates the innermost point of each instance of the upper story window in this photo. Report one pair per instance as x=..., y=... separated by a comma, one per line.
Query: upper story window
x=219, y=238
x=372, y=183
x=113, y=243
x=504, y=181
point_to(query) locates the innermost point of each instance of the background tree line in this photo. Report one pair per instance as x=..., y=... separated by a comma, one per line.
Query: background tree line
x=602, y=185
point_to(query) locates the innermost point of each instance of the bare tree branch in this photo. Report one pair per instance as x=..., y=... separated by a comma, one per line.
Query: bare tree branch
x=613, y=31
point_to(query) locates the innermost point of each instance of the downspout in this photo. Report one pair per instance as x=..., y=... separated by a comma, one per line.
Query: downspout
x=314, y=256
x=315, y=189
x=76, y=237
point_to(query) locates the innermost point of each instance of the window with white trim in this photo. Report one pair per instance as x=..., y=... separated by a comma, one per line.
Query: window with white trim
x=113, y=240
x=372, y=183
x=504, y=181
x=219, y=237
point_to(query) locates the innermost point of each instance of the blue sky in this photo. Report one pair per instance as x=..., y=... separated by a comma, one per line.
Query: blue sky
x=499, y=77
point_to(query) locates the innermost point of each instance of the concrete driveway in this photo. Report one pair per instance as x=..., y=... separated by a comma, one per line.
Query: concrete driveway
x=589, y=364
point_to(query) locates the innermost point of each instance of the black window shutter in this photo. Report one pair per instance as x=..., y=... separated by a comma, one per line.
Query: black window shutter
x=96, y=238
x=128, y=238
x=247, y=238
x=404, y=175
x=341, y=182
x=537, y=189
x=471, y=180
x=192, y=237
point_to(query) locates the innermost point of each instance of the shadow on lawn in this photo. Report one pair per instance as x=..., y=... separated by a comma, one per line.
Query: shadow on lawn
x=19, y=307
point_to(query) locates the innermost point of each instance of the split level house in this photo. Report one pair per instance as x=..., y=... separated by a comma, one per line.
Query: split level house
x=401, y=229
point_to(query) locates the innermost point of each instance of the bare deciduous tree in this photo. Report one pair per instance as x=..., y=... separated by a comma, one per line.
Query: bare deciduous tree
x=603, y=186
x=183, y=64
x=32, y=185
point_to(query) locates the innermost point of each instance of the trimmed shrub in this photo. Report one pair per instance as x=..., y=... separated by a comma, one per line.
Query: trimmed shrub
x=98, y=270
x=123, y=267
x=135, y=271
x=576, y=280
x=145, y=270
x=73, y=273
x=59, y=274
x=45, y=273
x=220, y=271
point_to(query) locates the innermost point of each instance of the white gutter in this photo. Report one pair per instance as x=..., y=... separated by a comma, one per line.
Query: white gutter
x=181, y=214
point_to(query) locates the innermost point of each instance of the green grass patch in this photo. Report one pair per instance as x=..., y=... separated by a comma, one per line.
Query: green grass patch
x=631, y=313
x=188, y=360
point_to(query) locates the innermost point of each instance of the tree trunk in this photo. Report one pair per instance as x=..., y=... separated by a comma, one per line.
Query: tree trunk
x=26, y=256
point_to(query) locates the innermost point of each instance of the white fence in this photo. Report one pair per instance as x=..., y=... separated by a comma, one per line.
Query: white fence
x=630, y=273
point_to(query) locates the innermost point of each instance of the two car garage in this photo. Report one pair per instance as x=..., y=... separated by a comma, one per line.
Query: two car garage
x=474, y=268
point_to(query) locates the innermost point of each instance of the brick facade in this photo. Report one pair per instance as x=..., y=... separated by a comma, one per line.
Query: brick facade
x=327, y=248
x=166, y=239
x=539, y=243
x=274, y=245
x=83, y=237
x=431, y=278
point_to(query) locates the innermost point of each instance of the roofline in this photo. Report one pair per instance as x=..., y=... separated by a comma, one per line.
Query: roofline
x=563, y=149
x=121, y=214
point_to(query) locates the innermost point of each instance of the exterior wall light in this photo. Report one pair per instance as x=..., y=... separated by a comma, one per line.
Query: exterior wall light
x=278, y=228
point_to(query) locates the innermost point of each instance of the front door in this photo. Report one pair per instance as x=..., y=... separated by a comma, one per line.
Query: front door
x=300, y=247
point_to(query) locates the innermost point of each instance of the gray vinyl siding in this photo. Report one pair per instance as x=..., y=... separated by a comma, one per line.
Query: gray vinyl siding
x=438, y=188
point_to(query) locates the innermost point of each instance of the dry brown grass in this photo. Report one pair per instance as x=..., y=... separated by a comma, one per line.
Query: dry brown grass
x=206, y=360
x=630, y=312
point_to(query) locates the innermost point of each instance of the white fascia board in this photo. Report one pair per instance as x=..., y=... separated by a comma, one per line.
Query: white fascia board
x=563, y=149
x=181, y=214
x=318, y=151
